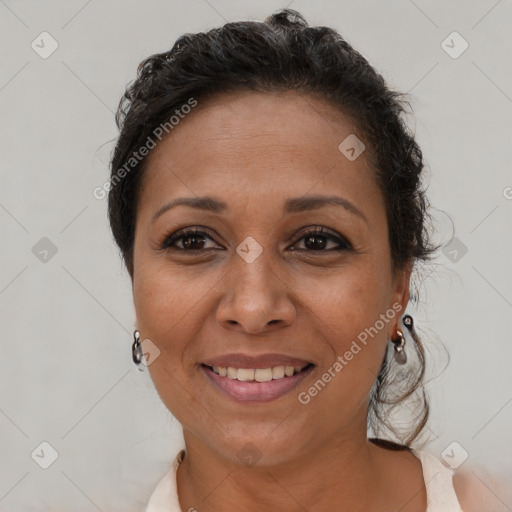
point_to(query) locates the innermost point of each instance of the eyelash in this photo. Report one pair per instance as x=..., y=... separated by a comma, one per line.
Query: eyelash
x=169, y=240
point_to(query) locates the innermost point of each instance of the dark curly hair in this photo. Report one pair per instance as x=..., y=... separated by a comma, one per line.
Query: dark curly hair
x=284, y=53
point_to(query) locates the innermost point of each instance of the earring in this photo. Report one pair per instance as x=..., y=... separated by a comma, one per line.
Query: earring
x=407, y=321
x=400, y=355
x=137, y=348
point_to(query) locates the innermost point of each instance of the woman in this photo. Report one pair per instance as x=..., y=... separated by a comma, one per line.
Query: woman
x=266, y=198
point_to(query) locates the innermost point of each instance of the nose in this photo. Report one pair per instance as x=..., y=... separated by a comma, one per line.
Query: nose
x=256, y=298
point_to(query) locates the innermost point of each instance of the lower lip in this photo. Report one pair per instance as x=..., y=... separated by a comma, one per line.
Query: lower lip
x=256, y=391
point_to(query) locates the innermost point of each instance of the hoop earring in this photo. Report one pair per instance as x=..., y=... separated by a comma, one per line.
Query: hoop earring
x=137, y=354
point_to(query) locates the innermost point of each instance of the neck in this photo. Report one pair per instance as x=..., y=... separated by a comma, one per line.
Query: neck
x=341, y=475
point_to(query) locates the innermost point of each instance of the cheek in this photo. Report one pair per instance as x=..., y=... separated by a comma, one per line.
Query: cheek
x=162, y=300
x=163, y=295
x=346, y=303
x=172, y=306
x=164, y=306
x=349, y=312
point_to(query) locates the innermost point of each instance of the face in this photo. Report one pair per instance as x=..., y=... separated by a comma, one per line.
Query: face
x=269, y=274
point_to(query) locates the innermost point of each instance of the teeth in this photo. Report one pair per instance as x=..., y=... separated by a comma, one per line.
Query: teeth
x=245, y=374
x=259, y=374
x=278, y=372
x=263, y=375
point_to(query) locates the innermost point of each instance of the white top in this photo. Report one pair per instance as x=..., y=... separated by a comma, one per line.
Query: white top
x=441, y=495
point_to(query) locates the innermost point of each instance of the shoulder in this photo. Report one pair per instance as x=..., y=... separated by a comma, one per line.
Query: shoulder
x=477, y=490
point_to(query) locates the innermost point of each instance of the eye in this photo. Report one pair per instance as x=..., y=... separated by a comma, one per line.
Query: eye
x=194, y=239
x=191, y=239
x=318, y=239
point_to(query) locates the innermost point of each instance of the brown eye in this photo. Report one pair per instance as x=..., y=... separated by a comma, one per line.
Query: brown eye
x=195, y=239
x=319, y=239
x=187, y=240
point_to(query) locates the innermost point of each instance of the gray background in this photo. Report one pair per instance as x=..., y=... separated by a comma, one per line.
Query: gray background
x=67, y=320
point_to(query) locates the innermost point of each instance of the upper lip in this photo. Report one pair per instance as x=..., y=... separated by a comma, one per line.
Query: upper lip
x=255, y=361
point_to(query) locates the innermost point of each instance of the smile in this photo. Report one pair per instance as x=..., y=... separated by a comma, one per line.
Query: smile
x=256, y=384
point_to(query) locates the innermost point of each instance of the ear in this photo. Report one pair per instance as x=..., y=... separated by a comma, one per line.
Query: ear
x=399, y=297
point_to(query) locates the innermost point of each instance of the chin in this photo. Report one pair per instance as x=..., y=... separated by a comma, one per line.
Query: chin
x=259, y=447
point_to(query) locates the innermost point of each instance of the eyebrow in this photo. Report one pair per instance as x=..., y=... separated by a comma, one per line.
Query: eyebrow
x=292, y=205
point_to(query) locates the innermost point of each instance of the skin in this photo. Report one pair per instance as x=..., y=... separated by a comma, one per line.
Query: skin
x=477, y=489
x=253, y=151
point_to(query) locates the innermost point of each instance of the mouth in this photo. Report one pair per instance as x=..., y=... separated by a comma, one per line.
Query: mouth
x=256, y=384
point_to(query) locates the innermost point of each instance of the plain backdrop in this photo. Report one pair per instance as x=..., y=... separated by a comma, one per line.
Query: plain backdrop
x=67, y=316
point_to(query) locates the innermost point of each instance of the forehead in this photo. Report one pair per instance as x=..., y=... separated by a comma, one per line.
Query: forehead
x=259, y=147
